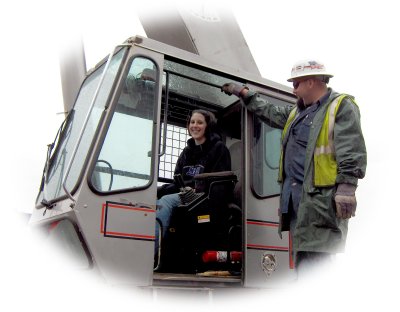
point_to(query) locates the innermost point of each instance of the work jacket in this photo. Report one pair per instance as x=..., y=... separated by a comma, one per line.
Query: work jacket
x=317, y=227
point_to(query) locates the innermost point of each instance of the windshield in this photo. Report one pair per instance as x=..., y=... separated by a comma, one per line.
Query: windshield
x=61, y=157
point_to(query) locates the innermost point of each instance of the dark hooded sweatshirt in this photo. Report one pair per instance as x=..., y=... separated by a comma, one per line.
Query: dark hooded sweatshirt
x=211, y=156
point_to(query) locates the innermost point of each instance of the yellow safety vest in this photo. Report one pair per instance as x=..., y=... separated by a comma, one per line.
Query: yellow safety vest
x=325, y=166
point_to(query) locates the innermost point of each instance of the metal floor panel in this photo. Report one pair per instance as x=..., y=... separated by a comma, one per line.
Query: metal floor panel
x=195, y=280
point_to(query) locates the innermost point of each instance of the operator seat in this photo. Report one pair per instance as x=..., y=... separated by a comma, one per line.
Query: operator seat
x=199, y=224
x=209, y=220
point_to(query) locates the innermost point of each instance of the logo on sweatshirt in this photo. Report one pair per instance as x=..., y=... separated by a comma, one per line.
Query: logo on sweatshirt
x=192, y=171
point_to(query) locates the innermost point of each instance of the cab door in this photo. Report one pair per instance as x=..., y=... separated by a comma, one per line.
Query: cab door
x=268, y=260
x=115, y=209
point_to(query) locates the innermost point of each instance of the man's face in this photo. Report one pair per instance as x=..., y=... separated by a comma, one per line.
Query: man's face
x=300, y=88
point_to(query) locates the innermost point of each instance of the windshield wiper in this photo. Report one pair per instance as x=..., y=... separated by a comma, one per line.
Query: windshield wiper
x=49, y=157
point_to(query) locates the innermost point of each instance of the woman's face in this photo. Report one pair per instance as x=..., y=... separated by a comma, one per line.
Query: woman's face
x=197, y=128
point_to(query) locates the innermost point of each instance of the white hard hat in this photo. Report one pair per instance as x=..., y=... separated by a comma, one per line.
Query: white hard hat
x=308, y=68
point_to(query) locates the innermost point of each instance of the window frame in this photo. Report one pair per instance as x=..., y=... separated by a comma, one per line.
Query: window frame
x=85, y=162
x=107, y=124
x=284, y=101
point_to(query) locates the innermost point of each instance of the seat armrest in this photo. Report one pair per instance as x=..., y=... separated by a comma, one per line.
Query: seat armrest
x=220, y=174
x=204, y=181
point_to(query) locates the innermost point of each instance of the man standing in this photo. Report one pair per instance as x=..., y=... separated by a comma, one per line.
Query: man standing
x=323, y=156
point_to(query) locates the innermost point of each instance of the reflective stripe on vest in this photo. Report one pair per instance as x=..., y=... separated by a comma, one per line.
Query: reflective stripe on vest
x=325, y=166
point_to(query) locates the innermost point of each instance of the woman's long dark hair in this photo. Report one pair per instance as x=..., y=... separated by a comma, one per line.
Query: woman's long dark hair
x=210, y=119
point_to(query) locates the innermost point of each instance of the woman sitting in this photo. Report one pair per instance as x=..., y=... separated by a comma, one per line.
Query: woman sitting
x=205, y=152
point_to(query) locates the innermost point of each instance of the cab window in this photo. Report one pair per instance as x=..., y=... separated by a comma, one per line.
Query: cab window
x=266, y=155
x=73, y=126
x=124, y=161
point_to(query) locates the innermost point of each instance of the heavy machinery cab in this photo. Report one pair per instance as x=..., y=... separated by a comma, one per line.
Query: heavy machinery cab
x=121, y=141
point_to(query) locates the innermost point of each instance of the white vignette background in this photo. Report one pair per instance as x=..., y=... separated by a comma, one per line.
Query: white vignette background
x=357, y=41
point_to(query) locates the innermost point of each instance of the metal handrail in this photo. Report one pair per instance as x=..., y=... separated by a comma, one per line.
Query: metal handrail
x=164, y=143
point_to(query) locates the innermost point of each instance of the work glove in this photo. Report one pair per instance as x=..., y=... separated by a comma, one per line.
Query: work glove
x=345, y=200
x=232, y=88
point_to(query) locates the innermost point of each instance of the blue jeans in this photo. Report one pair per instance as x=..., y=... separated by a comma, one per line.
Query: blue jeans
x=165, y=206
